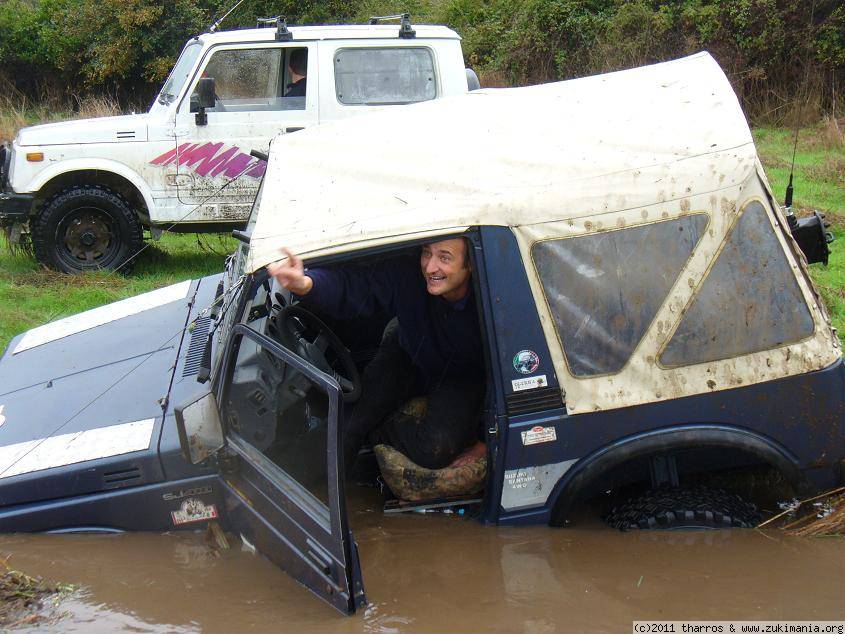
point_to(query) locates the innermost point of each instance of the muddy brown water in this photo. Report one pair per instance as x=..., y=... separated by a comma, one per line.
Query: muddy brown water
x=442, y=573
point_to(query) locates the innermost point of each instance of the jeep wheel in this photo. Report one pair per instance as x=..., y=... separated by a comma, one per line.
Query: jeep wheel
x=684, y=508
x=86, y=228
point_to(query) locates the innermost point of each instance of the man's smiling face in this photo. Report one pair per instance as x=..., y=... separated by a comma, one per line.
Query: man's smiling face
x=446, y=268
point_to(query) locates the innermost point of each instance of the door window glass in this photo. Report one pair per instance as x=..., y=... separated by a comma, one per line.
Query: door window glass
x=750, y=300
x=277, y=409
x=604, y=289
x=249, y=80
x=372, y=76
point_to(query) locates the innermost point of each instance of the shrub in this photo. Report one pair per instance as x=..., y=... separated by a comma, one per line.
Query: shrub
x=776, y=52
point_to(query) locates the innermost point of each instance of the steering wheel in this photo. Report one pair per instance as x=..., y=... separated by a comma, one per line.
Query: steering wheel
x=304, y=334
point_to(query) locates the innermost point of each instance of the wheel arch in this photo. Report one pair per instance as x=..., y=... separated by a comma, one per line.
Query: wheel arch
x=110, y=174
x=701, y=436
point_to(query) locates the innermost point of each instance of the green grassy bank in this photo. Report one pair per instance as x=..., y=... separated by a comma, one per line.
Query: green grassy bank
x=819, y=183
x=30, y=295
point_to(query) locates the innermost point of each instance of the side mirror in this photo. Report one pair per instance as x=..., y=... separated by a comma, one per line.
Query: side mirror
x=202, y=98
x=813, y=235
x=472, y=80
x=200, y=429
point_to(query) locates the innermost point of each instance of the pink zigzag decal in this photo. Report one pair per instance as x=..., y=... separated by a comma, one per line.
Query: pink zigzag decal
x=203, y=159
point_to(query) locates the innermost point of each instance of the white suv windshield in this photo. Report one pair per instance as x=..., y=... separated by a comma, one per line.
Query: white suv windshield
x=180, y=72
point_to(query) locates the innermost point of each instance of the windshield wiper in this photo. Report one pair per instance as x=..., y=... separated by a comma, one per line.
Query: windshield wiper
x=218, y=314
x=205, y=365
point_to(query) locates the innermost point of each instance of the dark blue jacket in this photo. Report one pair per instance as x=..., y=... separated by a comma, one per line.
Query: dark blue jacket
x=297, y=89
x=441, y=337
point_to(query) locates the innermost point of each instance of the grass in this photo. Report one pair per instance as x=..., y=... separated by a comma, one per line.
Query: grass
x=31, y=295
x=819, y=184
x=16, y=111
x=23, y=598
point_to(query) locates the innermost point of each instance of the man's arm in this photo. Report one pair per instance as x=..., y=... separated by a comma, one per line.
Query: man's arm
x=350, y=292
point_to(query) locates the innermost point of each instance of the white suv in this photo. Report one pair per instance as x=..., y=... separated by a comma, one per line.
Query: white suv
x=86, y=190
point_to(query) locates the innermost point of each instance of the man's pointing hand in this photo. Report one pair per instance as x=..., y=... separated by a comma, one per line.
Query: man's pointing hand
x=290, y=273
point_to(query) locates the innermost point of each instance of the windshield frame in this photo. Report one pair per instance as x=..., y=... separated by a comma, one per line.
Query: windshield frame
x=181, y=72
x=234, y=272
x=242, y=251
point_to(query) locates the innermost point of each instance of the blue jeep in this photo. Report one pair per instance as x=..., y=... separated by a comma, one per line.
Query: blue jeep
x=646, y=314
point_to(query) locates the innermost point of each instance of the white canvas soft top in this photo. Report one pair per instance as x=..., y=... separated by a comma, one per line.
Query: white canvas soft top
x=510, y=157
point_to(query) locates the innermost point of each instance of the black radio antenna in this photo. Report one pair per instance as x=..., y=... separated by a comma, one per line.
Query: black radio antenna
x=787, y=201
x=810, y=232
x=217, y=22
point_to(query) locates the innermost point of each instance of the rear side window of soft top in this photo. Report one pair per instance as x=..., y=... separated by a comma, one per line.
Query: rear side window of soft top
x=378, y=76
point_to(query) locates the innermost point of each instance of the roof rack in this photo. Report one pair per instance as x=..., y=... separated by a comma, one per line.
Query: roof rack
x=405, y=30
x=283, y=34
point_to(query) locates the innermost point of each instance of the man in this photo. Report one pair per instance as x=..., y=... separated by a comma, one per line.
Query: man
x=432, y=348
x=298, y=68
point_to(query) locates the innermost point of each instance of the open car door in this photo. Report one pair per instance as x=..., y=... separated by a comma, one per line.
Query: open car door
x=279, y=450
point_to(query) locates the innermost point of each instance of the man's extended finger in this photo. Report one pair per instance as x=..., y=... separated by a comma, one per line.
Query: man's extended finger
x=291, y=256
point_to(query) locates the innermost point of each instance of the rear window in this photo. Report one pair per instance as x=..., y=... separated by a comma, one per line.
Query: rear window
x=375, y=76
x=604, y=289
x=749, y=302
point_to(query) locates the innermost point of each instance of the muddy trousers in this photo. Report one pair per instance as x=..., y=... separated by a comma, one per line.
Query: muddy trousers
x=389, y=381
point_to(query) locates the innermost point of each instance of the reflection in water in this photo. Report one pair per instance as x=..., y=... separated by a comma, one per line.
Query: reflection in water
x=441, y=571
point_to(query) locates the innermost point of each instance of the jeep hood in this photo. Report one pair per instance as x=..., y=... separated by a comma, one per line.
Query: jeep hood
x=123, y=129
x=90, y=387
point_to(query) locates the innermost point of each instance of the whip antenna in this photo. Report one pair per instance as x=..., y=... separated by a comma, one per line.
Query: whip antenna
x=217, y=23
x=787, y=201
x=811, y=232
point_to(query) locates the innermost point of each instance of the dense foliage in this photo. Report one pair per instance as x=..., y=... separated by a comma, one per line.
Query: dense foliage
x=773, y=50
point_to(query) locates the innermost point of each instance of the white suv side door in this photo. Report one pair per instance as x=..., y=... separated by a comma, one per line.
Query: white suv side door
x=217, y=176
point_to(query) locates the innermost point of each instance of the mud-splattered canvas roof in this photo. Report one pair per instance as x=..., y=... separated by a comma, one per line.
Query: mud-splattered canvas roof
x=511, y=157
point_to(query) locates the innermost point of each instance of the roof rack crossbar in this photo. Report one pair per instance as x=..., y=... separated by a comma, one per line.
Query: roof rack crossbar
x=405, y=30
x=283, y=34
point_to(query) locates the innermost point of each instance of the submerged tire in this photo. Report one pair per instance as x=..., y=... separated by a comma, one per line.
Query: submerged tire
x=698, y=507
x=84, y=228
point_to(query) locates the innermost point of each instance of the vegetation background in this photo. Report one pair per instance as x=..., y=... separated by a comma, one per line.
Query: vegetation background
x=771, y=49
x=73, y=58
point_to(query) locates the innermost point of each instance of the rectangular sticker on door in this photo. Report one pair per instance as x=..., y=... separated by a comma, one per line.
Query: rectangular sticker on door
x=529, y=383
x=538, y=434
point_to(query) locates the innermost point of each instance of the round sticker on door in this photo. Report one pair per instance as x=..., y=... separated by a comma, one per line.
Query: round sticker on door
x=526, y=361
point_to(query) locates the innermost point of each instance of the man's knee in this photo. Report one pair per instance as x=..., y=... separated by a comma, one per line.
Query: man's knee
x=390, y=334
x=435, y=450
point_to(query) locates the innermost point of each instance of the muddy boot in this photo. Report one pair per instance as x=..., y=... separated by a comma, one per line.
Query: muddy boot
x=414, y=483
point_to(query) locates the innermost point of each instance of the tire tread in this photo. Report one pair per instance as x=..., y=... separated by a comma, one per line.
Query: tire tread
x=698, y=507
x=43, y=243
